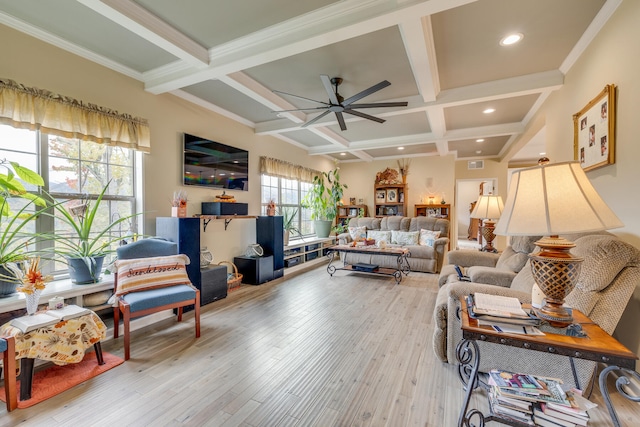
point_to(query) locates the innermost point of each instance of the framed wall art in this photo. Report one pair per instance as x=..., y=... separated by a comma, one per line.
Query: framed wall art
x=594, y=131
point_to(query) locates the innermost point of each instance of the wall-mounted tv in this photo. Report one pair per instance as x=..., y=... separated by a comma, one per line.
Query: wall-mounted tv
x=212, y=164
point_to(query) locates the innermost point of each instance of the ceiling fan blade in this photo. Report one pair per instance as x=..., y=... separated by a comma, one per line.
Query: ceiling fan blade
x=300, y=97
x=340, y=117
x=380, y=105
x=315, y=119
x=366, y=92
x=299, y=109
x=365, y=116
x=329, y=88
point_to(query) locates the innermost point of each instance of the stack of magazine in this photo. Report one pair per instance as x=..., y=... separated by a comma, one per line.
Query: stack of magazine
x=503, y=314
x=535, y=400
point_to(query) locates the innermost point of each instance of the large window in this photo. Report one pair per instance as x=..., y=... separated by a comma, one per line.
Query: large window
x=287, y=194
x=74, y=172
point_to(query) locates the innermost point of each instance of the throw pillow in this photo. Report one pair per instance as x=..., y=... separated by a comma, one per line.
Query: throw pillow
x=139, y=274
x=357, y=233
x=379, y=236
x=428, y=237
x=404, y=237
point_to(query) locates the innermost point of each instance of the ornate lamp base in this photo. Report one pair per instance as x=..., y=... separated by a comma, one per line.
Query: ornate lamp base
x=487, y=232
x=556, y=272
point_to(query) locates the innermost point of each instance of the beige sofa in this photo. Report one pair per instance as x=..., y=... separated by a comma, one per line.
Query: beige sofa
x=423, y=258
x=609, y=275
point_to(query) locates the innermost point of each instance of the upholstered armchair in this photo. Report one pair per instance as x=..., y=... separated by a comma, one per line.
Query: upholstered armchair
x=8, y=349
x=610, y=273
x=151, y=277
x=487, y=267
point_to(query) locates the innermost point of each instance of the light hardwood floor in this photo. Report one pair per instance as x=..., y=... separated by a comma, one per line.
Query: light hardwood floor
x=309, y=350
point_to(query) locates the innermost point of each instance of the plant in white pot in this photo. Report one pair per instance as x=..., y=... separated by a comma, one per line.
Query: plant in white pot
x=17, y=240
x=88, y=242
x=288, y=222
x=323, y=199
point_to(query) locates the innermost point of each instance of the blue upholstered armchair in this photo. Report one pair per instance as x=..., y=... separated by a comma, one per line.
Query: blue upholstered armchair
x=151, y=277
x=8, y=349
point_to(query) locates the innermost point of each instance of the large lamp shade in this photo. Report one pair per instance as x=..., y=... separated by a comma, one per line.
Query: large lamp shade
x=549, y=200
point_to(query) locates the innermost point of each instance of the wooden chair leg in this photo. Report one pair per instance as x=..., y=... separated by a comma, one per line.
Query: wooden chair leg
x=116, y=321
x=9, y=363
x=197, y=314
x=126, y=317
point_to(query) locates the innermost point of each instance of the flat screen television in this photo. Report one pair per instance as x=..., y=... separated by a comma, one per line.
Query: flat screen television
x=212, y=164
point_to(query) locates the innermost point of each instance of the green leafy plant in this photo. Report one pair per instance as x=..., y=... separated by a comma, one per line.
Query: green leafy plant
x=17, y=244
x=87, y=239
x=323, y=198
x=288, y=219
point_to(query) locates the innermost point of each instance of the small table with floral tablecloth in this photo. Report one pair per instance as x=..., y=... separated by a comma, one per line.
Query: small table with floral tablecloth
x=62, y=343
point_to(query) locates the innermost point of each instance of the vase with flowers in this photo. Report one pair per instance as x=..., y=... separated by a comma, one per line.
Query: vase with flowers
x=179, y=204
x=403, y=165
x=33, y=283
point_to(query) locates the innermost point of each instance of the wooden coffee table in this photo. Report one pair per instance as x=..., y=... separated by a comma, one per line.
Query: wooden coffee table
x=401, y=254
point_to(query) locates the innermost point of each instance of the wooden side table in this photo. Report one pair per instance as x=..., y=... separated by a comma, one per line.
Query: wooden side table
x=597, y=346
x=62, y=343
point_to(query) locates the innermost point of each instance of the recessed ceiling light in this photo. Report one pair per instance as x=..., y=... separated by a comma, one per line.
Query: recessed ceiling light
x=542, y=154
x=343, y=154
x=478, y=151
x=489, y=110
x=400, y=148
x=511, y=39
x=480, y=140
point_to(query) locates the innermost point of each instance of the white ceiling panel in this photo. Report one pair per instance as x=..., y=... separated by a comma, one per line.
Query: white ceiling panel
x=236, y=58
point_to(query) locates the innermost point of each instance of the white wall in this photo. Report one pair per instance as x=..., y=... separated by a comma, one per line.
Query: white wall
x=612, y=57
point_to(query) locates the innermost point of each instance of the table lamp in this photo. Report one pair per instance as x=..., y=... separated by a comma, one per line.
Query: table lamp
x=549, y=200
x=489, y=208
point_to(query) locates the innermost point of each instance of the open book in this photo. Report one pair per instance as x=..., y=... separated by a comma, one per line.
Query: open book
x=48, y=318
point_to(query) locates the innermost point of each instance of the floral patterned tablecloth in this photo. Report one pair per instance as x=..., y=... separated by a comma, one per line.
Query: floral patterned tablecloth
x=62, y=343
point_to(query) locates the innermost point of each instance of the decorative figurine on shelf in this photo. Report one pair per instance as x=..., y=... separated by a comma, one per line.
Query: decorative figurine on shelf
x=224, y=197
x=387, y=176
x=179, y=204
x=271, y=208
x=442, y=202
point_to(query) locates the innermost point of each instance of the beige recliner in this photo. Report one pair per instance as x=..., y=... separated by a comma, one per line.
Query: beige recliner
x=490, y=268
x=610, y=273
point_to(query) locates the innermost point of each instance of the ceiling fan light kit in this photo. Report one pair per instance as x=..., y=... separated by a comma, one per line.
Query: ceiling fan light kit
x=338, y=105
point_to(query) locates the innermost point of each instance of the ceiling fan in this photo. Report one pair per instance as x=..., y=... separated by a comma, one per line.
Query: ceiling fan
x=338, y=105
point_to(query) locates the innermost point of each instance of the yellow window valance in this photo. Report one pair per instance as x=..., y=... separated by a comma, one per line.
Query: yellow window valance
x=282, y=169
x=37, y=109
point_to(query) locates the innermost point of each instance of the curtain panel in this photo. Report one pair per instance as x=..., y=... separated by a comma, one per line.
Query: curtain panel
x=282, y=169
x=37, y=109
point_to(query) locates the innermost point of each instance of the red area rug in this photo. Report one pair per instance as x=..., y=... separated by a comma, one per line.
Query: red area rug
x=56, y=379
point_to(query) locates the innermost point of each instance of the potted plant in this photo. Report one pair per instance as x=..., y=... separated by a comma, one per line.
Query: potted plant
x=87, y=243
x=323, y=200
x=16, y=243
x=288, y=224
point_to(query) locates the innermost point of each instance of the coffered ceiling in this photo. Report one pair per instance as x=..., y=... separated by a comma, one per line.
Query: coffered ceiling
x=441, y=56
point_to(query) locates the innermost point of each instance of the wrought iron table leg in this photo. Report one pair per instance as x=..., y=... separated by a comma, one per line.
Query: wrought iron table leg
x=331, y=268
x=620, y=382
x=468, y=356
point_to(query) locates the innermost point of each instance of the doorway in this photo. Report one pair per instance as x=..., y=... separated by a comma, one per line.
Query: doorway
x=467, y=192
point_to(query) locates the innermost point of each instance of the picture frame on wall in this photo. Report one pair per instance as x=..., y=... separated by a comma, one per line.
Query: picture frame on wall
x=352, y=200
x=594, y=131
x=392, y=195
